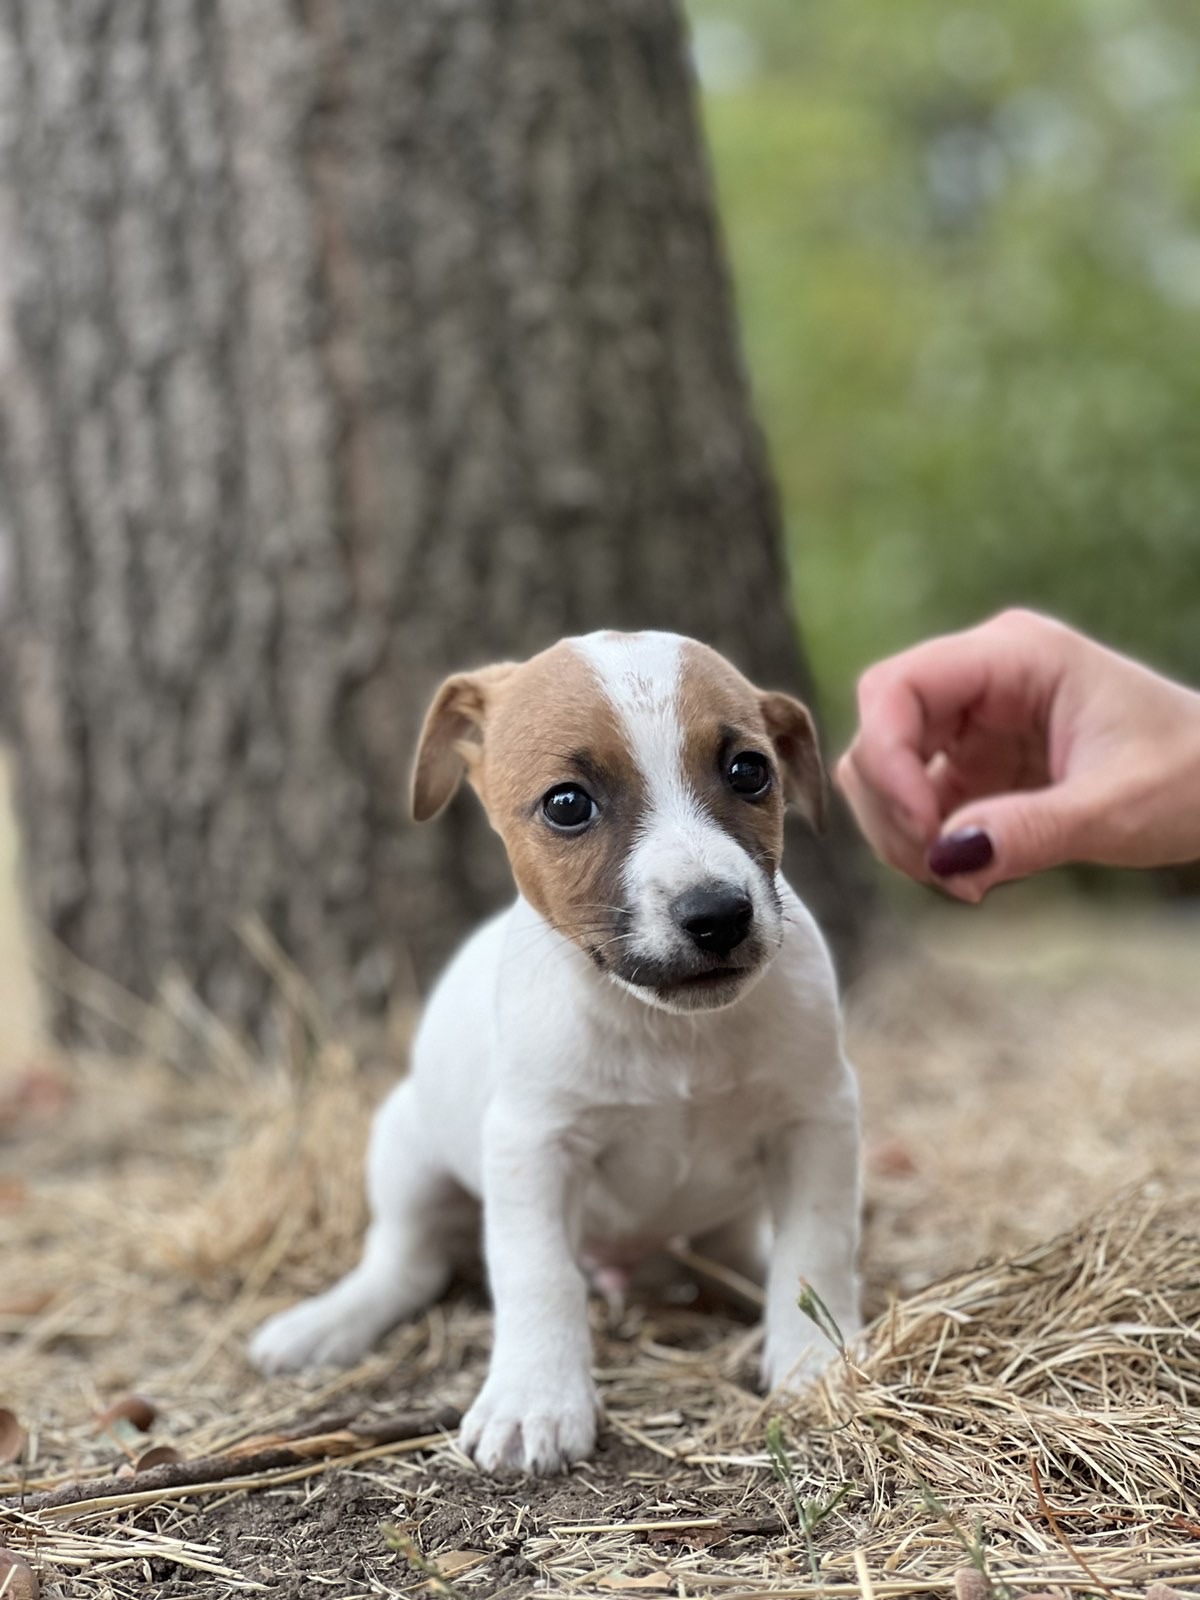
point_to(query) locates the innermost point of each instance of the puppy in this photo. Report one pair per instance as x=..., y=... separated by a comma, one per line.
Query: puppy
x=645, y=1045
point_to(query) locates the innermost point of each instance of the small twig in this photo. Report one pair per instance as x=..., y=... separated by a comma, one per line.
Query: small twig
x=810, y=1514
x=975, y=1549
x=245, y=1461
x=1052, y=1518
x=864, y=1575
x=406, y=1546
x=90, y=988
x=740, y=1289
x=297, y=992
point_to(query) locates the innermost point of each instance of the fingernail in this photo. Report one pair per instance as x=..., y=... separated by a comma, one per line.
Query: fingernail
x=967, y=850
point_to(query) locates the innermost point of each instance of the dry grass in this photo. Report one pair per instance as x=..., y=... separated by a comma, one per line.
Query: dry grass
x=1049, y=1399
x=1019, y=1072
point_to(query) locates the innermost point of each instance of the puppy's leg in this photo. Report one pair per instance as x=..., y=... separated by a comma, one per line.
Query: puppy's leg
x=416, y=1210
x=537, y=1410
x=813, y=1186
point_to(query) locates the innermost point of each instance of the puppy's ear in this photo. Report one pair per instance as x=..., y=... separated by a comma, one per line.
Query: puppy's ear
x=452, y=739
x=795, y=740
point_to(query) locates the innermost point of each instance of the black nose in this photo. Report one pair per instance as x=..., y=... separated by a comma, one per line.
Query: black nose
x=716, y=917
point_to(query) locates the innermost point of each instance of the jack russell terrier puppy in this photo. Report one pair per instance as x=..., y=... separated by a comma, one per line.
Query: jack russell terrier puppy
x=645, y=1045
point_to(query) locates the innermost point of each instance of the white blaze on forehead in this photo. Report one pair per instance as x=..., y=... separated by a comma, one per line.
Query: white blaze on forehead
x=677, y=841
x=639, y=674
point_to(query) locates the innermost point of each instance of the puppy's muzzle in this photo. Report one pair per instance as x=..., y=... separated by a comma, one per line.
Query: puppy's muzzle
x=716, y=917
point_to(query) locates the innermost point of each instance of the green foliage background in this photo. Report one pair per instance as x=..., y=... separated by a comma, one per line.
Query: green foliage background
x=966, y=242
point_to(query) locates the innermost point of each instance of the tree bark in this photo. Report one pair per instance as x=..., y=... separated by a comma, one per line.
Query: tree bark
x=344, y=343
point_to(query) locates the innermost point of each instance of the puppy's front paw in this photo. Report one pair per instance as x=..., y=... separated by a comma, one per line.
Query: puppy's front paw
x=791, y=1362
x=791, y=1370
x=316, y=1333
x=531, y=1424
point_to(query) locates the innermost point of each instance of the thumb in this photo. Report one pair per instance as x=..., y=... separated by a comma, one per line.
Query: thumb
x=1003, y=837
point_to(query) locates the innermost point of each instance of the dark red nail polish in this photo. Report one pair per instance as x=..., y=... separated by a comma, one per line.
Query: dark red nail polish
x=967, y=850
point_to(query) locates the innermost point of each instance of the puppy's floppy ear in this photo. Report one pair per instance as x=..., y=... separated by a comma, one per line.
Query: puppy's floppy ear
x=795, y=740
x=452, y=738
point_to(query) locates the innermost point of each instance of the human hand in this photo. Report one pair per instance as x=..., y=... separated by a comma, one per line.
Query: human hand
x=1019, y=745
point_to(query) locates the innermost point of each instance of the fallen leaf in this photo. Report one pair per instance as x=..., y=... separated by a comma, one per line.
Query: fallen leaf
x=38, y=1091
x=45, y=1090
x=18, y=1581
x=159, y=1455
x=970, y=1584
x=25, y=1305
x=12, y=1436
x=132, y=1408
x=451, y=1563
x=658, y=1582
x=891, y=1157
x=305, y=1444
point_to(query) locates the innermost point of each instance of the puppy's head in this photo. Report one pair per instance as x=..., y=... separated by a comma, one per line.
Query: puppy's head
x=638, y=782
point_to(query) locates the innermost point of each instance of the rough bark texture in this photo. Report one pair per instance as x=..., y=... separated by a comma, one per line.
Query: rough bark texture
x=343, y=342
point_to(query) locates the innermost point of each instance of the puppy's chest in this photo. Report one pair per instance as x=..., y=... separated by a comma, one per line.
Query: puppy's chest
x=680, y=1167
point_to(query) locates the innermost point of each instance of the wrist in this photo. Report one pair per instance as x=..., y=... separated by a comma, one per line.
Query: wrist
x=1189, y=783
x=1153, y=818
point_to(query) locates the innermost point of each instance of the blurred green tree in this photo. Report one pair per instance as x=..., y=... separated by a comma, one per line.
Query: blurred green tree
x=343, y=346
x=966, y=241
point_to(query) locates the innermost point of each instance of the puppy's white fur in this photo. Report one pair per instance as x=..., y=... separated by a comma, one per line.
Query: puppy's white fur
x=595, y=1121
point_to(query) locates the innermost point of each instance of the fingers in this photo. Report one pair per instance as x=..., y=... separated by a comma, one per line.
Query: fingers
x=893, y=832
x=954, y=719
x=1009, y=836
x=884, y=774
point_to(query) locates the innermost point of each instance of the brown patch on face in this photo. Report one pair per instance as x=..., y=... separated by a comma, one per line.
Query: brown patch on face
x=723, y=715
x=720, y=716
x=517, y=732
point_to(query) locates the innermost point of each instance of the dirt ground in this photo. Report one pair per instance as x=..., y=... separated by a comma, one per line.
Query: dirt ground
x=1019, y=1066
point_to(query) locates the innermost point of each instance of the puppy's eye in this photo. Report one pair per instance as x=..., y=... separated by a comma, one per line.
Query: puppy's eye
x=749, y=774
x=568, y=808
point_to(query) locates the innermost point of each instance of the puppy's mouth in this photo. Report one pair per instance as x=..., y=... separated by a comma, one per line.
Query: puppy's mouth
x=686, y=977
x=702, y=991
x=687, y=988
x=714, y=978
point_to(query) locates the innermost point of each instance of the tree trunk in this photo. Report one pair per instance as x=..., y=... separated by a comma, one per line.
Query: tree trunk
x=343, y=343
